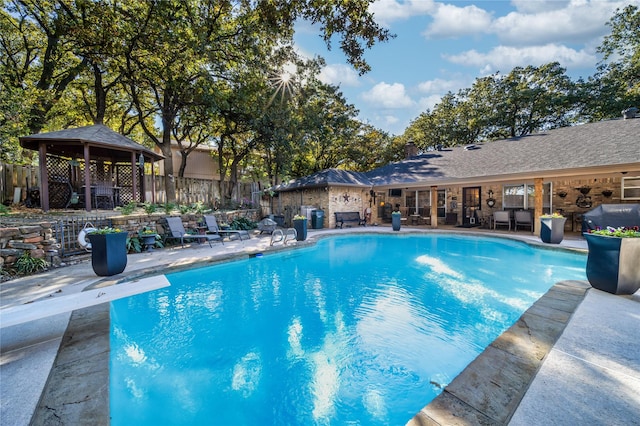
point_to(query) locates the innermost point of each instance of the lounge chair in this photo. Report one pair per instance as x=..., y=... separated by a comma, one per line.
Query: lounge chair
x=501, y=218
x=523, y=218
x=214, y=229
x=176, y=231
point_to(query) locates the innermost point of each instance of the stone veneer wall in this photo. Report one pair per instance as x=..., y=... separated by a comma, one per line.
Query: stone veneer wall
x=330, y=200
x=33, y=238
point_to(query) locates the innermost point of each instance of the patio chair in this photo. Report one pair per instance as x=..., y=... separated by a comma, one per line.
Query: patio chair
x=523, y=218
x=175, y=230
x=502, y=218
x=213, y=228
x=103, y=196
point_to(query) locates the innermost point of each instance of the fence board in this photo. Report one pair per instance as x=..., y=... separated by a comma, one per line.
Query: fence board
x=188, y=190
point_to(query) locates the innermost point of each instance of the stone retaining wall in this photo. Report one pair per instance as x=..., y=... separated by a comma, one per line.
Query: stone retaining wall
x=38, y=238
x=35, y=239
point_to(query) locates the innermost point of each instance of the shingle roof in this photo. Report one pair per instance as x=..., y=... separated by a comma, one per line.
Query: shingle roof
x=96, y=135
x=594, y=147
x=564, y=151
x=325, y=178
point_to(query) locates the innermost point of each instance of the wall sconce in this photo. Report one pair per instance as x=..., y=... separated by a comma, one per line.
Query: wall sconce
x=584, y=190
x=607, y=193
x=562, y=194
x=141, y=161
x=491, y=201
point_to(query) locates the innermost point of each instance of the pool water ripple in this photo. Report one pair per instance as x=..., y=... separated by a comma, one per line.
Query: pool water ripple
x=363, y=329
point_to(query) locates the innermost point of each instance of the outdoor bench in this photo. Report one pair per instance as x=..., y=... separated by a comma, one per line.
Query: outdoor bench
x=349, y=218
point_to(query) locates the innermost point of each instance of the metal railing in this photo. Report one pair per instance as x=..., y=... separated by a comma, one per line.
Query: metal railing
x=66, y=232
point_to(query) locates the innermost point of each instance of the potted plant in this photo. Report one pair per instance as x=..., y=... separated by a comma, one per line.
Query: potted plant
x=108, y=251
x=612, y=263
x=552, y=228
x=300, y=225
x=148, y=237
x=395, y=220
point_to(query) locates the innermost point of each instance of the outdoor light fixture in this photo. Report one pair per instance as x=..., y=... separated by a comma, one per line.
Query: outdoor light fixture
x=141, y=161
x=491, y=201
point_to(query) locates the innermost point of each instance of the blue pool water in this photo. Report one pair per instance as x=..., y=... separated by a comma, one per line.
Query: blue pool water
x=362, y=329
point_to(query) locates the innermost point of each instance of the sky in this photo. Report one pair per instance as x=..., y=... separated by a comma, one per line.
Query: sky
x=443, y=46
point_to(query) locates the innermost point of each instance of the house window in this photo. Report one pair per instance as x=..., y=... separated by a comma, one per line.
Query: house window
x=395, y=192
x=513, y=196
x=631, y=188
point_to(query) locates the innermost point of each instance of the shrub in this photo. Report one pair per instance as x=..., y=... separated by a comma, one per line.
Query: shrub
x=134, y=245
x=27, y=264
x=242, y=223
x=149, y=208
x=128, y=209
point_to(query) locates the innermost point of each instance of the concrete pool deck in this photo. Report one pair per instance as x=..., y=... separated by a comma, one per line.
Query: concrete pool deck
x=572, y=358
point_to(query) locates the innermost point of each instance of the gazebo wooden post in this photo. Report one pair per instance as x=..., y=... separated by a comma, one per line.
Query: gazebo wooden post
x=134, y=175
x=44, y=177
x=87, y=179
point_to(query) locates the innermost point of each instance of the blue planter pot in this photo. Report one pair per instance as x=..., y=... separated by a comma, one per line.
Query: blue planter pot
x=301, y=229
x=612, y=263
x=108, y=253
x=552, y=229
x=395, y=221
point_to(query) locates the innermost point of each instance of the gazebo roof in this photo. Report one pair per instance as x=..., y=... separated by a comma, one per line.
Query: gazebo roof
x=103, y=141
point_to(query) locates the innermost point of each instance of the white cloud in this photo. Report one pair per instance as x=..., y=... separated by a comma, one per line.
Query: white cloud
x=580, y=21
x=528, y=6
x=429, y=102
x=387, y=11
x=453, y=21
x=391, y=119
x=339, y=74
x=388, y=96
x=440, y=86
x=504, y=58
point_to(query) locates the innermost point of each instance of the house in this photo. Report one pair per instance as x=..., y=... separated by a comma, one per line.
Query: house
x=570, y=169
x=202, y=162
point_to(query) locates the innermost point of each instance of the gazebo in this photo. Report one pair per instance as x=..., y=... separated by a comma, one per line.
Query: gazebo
x=90, y=167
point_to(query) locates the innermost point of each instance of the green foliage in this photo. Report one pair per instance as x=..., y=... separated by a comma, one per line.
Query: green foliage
x=134, y=245
x=128, y=208
x=622, y=232
x=106, y=230
x=27, y=264
x=169, y=207
x=198, y=208
x=150, y=208
x=554, y=215
x=4, y=209
x=243, y=223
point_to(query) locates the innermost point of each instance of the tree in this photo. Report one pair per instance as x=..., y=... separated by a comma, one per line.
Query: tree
x=38, y=59
x=616, y=85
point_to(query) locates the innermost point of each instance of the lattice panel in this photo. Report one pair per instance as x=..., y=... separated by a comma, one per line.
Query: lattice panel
x=60, y=190
x=124, y=180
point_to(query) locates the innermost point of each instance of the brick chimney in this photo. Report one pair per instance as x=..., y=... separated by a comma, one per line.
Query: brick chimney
x=410, y=150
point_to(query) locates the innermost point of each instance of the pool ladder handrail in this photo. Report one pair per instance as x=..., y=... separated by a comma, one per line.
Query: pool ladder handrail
x=278, y=235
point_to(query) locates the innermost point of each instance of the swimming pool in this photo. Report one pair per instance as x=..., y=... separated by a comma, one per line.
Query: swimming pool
x=363, y=329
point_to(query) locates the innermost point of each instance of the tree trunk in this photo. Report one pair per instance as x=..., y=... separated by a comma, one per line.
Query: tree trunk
x=100, y=93
x=169, y=181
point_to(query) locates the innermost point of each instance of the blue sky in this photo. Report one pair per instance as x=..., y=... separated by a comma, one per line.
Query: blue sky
x=443, y=46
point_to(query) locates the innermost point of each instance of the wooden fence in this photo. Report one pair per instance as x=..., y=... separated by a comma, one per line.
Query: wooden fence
x=14, y=181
